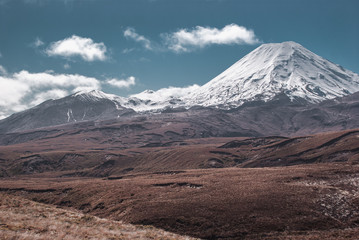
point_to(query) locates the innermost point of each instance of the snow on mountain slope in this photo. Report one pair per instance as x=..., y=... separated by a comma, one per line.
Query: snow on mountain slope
x=160, y=99
x=277, y=68
x=94, y=95
x=97, y=95
x=271, y=70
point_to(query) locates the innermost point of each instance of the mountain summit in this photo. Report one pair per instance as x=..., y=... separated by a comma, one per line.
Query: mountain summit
x=276, y=68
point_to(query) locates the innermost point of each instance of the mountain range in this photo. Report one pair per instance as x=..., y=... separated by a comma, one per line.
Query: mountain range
x=278, y=80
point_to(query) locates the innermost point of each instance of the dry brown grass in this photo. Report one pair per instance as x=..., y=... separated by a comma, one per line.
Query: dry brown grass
x=25, y=219
x=297, y=202
x=334, y=234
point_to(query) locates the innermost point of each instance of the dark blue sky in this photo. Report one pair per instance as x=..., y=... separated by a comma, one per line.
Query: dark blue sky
x=326, y=27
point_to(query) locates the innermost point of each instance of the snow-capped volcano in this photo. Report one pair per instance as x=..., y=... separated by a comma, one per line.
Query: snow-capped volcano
x=269, y=72
x=276, y=68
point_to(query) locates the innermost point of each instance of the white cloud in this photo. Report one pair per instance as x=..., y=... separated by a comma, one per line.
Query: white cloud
x=37, y=2
x=33, y=2
x=122, y=83
x=3, y=70
x=78, y=46
x=127, y=50
x=49, y=80
x=11, y=93
x=50, y=94
x=38, y=42
x=186, y=40
x=22, y=90
x=131, y=33
x=67, y=66
x=42, y=2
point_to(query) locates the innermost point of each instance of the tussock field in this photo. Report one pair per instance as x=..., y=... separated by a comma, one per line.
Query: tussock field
x=25, y=219
x=295, y=202
x=211, y=188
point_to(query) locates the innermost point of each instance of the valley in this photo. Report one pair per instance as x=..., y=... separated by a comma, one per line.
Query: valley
x=211, y=188
x=300, y=202
x=269, y=149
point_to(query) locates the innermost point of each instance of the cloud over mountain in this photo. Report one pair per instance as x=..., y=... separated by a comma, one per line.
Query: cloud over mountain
x=122, y=83
x=37, y=42
x=73, y=46
x=22, y=90
x=187, y=40
x=131, y=33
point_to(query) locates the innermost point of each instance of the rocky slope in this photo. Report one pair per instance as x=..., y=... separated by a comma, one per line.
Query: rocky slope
x=81, y=106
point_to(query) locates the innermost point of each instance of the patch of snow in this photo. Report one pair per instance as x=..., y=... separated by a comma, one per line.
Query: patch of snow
x=70, y=115
x=162, y=98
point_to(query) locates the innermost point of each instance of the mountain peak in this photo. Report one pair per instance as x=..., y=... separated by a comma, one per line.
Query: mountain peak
x=276, y=68
x=93, y=92
x=274, y=52
x=283, y=44
x=94, y=95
